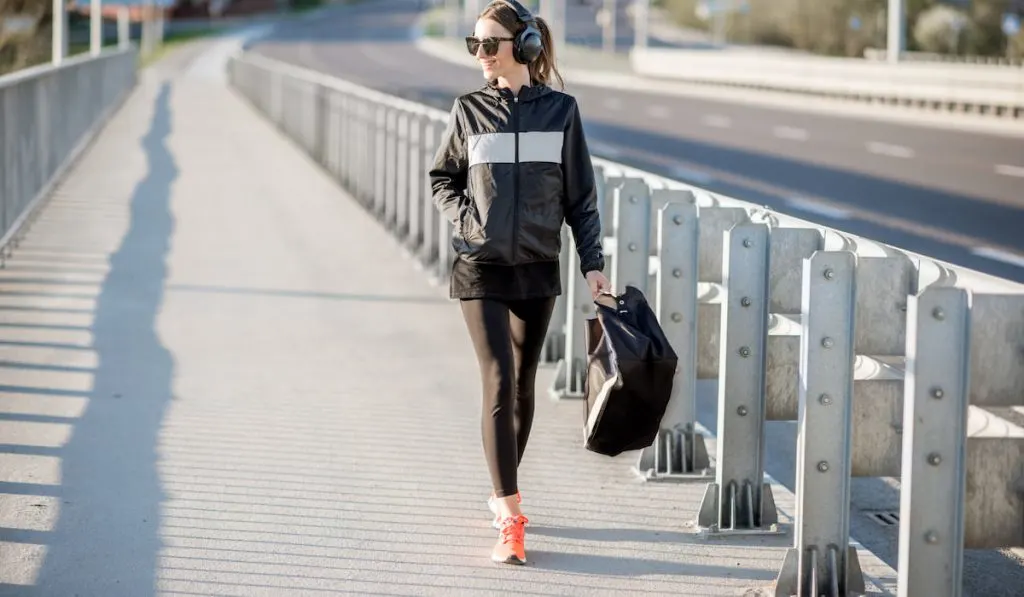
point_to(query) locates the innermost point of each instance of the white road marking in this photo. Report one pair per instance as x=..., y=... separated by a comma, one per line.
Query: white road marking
x=658, y=112
x=694, y=176
x=717, y=121
x=789, y=132
x=888, y=149
x=1010, y=170
x=814, y=207
x=613, y=103
x=999, y=255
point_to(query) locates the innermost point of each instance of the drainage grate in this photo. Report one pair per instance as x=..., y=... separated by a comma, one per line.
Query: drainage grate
x=886, y=518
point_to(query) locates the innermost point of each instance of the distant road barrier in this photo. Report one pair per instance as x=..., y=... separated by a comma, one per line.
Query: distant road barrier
x=893, y=364
x=983, y=89
x=48, y=115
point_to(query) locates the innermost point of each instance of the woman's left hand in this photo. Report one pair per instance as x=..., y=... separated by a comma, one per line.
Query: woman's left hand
x=598, y=283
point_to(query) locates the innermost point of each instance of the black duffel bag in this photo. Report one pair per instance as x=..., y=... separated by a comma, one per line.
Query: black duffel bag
x=630, y=368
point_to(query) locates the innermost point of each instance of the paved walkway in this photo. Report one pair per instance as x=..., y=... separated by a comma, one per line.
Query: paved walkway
x=219, y=376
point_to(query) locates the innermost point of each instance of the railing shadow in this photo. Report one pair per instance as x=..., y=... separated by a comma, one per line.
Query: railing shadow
x=110, y=493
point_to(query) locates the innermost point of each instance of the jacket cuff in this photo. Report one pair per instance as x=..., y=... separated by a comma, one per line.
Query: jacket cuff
x=596, y=264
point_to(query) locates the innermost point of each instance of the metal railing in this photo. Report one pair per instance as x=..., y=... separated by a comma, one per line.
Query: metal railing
x=48, y=115
x=957, y=87
x=893, y=364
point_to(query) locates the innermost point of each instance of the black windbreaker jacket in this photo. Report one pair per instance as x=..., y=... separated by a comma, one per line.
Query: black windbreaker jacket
x=509, y=170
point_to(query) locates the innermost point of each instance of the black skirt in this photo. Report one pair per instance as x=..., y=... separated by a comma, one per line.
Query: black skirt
x=504, y=282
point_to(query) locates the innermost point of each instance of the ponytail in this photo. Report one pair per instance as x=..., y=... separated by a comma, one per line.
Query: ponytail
x=543, y=68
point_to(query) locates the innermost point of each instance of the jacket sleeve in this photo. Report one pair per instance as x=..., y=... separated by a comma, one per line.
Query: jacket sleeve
x=448, y=173
x=580, y=195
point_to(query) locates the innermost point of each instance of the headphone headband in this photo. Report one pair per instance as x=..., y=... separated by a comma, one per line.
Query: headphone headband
x=522, y=12
x=528, y=44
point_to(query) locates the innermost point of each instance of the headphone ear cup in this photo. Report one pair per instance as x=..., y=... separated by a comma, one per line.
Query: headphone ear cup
x=528, y=46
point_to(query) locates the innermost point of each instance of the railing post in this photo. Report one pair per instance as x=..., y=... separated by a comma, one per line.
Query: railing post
x=631, y=255
x=390, y=168
x=739, y=501
x=678, y=450
x=931, y=543
x=380, y=147
x=822, y=560
x=417, y=175
x=430, y=226
x=400, y=217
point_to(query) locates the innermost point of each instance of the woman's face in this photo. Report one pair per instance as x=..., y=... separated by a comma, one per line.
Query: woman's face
x=500, y=63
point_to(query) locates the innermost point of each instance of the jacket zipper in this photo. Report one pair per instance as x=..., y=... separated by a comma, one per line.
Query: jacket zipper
x=515, y=183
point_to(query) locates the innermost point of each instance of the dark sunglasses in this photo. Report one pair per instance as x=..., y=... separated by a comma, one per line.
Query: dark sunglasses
x=490, y=44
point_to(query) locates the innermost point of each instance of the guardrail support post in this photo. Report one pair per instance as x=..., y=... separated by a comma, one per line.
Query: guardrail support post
x=822, y=562
x=739, y=501
x=931, y=544
x=554, y=343
x=678, y=451
x=632, y=229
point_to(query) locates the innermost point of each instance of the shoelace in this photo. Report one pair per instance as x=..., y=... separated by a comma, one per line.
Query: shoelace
x=513, y=529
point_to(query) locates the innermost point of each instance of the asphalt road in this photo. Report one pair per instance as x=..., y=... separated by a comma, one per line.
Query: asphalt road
x=957, y=196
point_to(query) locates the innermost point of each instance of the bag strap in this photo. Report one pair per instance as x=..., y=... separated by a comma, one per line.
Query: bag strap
x=607, y=299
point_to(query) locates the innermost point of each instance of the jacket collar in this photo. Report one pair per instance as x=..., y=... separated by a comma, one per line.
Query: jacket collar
x=526, y=93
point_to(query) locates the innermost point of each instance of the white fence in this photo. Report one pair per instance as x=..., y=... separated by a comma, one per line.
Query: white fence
x=894, y=364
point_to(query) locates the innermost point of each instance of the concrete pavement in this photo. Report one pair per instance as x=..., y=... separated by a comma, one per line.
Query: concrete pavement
x=219, y=376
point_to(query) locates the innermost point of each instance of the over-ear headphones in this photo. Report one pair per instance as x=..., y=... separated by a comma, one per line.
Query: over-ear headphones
x=528, y=45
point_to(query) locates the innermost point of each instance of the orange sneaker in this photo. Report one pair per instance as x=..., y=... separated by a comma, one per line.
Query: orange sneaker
x=511, y=546
x=492, y=504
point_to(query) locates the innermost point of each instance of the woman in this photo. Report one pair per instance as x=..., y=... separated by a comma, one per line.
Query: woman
x=511, y=167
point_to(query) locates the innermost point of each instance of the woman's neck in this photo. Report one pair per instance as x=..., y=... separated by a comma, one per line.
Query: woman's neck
x=516, y=80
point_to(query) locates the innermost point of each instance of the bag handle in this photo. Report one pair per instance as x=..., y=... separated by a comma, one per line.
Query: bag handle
x=607, y=299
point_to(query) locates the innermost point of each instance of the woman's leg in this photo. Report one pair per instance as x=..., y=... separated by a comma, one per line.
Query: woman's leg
x=489, y=330
x=529, y=326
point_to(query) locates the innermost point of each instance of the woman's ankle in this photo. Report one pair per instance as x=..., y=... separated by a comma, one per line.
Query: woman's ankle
x=509, y=507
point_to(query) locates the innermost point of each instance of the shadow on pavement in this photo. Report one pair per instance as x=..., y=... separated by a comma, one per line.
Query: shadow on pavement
x=110, y=493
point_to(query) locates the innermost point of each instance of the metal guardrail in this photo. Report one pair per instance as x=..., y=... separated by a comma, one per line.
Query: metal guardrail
x=48, y=115
x=983, y=89
x=880, y=54
x=894, y=364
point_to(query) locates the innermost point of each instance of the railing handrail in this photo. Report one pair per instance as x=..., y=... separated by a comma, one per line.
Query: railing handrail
x=21, y=75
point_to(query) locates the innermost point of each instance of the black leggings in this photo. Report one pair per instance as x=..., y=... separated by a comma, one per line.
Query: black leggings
x=508, y=337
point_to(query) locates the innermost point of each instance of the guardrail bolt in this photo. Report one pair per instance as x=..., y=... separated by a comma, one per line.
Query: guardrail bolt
x=934, y=459
x=677, y=273
x=829, y=274
x=745, y=301
x=938, y=313
x=748, y=243
x=742, y=411
x=828, y=342
x=677, y=317
x=823, y=467
x=825, y=399
x=632, y=247
x=677, y=220
x=744, y=352
x=632, y=199
x=931, y=537
x=937, y=393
